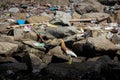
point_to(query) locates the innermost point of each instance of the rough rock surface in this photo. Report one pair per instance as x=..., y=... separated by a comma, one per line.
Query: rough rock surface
x=87, y=70
x=38, y=19
x=7, y=48
x=101, y=43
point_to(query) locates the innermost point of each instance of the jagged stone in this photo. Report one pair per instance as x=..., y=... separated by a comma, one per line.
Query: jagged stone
x=101, y=44
x=7, y=48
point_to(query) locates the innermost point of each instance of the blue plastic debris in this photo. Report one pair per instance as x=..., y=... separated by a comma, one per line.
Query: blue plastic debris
x=53, y=8
x=21, y=22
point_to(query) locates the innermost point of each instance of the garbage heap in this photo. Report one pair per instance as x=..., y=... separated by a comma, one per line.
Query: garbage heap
x=75, y=41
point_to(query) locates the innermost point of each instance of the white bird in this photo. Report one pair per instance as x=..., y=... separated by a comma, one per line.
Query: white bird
x=70, y=53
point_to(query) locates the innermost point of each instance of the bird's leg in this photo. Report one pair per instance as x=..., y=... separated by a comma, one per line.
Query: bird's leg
x=70, y=60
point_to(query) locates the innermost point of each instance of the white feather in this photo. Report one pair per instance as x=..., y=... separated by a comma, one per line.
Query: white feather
x=70, y=53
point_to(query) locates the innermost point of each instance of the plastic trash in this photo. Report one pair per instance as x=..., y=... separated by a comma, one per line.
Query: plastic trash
x=27, y=28
x=39, y=44
x=53, y=8
x=21, y=22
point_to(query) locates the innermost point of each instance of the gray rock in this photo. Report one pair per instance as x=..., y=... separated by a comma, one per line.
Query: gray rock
x=83, y=8
x=55, y=55
x=6, y=38
x=36, y=52
x=18, y=34
x=60, y=32
x=13, y=66
x=35, y=44
x=3, y=26
x=14, y=10
x=78, y=47
x=56, y=51
x=79, y=71
x=63, y=17
x=30, y=35
x=7, y=59
x=95, y=16
x=109, y=1
x=7, y=48
x=115, y=39
x=37, y=64
x=101, y=44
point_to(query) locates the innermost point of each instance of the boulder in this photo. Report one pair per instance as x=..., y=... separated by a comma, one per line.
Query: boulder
x=87, y=70
x=94, y=3
x=14, y=10
x=83, y=8
x=36, y=52
x=18, y=34
x=62, y=17
x=7, y=48
x=55, y=51
x=7, y=38
x=101, y=44
x=55, y=55
x=78, y=47
x=94, y=46
x=7, y=59
x=13, y=66
x=10, y=39
x=60, y=32
x=108, y=2
x=3, y=27
x=38, y=19
x=116, y=39
x=35, y=44
x=37, y=64
x=30, y=35
x=95, y=16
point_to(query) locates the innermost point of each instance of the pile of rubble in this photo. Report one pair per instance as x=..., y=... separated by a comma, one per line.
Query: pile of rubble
x=75, y=41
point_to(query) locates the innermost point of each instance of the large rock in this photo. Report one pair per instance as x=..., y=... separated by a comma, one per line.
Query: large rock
x=78, y=47
x=60, y=32
x=94, y=3
x=115, y=39
x=14, y=10
x=18, y=34
x=7, y=59
x=7, y=48
x=36, y=52
x=83, y=8
x=30, y=35
x=38, y=19
x=87, y=70
x=35, y=44
x=37, y=64
x=13, y=66
x=3, y=26
x=101, y=44
x=94, y=46
x=108, y=2
x=55, y=55
x=95, y=16
x=6, y=38
x=62, y=17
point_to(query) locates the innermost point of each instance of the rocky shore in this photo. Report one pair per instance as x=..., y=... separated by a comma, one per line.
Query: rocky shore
x=60, y=40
